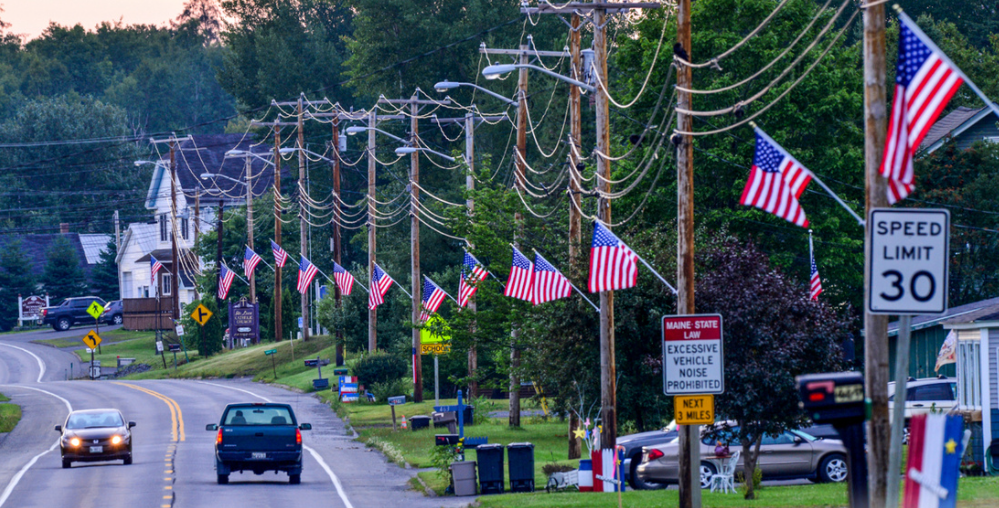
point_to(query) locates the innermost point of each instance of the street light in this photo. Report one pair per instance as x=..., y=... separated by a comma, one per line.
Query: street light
x=206, y=176
x=495, y=71
x=444, y=86
x=356, y=129
x=407, y=150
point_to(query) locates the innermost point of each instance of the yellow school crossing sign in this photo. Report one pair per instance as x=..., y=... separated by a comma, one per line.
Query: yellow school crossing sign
x=201, y=314
x=435, y=337
x=92, y=340
x=95, y=310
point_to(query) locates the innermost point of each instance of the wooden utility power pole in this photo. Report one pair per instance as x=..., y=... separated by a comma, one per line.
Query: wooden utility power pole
x=175, y=264
x=277, y=234
x=372, y=313
x=875, y=327
x=218, y=253
x=303, y=239
x=518, y=219
x=414, y=232
x=336, y=231
x=249, y=221
x=575, y=137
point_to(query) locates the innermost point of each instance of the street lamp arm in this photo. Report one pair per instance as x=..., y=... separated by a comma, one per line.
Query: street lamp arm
x=406, y=150
x=206, y=176
x=489, y=92
x=355, y=129
x=493, y=70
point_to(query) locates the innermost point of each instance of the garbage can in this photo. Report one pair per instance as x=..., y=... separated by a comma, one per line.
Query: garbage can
x=490, y=459
x=468, y=415
x=463, y=476
x=419, y=422
x=521, y=460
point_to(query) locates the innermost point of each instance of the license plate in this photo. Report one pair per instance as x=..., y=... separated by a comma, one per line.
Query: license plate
x=259, y=455
x=96, y=449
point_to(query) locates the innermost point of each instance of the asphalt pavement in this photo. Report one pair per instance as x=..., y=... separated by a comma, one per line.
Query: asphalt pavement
x=173, y=454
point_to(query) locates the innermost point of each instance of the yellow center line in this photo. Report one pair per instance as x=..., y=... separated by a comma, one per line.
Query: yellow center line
x=176, y=415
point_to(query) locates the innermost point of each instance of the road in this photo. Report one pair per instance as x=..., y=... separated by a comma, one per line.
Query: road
x=173, y=454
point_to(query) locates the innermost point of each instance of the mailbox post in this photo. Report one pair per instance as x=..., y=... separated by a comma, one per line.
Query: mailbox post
x=393, y=402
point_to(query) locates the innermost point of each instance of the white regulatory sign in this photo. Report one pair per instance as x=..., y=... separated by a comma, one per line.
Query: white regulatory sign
x=909, y=255
x=693, y=359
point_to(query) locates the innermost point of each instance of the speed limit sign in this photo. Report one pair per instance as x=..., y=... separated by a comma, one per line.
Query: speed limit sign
x=909, y=250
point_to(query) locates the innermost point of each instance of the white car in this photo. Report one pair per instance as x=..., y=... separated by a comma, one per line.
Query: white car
x=926, y=395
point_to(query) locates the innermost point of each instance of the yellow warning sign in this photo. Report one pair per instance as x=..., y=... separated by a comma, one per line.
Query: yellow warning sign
x=435, y=349
x=95, y=310
x=92, y=339
x=201, y=314
x=694, y=409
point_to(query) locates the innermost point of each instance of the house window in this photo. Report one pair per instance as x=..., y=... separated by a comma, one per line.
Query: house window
x=163, y=227
x=143, y=291
x=167, y=283
x=183, y=228
x=991, y=139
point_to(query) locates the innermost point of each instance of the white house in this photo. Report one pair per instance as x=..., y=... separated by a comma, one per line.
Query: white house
x=194, y=157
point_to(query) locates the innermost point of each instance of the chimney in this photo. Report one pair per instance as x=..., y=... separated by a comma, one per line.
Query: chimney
x=64, y=227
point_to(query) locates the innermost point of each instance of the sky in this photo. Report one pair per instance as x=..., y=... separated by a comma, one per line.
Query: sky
x=31, y=17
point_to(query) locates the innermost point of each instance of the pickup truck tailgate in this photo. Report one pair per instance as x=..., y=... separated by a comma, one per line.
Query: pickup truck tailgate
x=259, y=438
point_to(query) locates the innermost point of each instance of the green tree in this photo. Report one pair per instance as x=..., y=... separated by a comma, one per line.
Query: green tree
x=63, y=277
x=208, y=339
x=16, y=280
x=104, y=277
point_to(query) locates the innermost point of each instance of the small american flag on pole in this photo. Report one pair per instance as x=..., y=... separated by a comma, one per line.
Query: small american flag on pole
x=226, y=276
x=613, y=265
x=380, y=284
x=280, y=256
x=306, y=272
x=519, y=284
x=433, y=296
x=925, y=80
x=154, y=267
x=343, y=279
x=776, y=181
x=250, y=261
x=472, y=272
x=816, y=282
x=549, y=283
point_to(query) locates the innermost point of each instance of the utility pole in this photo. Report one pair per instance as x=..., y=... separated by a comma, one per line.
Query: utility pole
x=249, y=221
x=518, y=219
x=875, y=326
x=277, y=233
x=303, y=241
x=372, y=313
x=575, y=189
x=689, y=456
x=175, y=265
x=414, y=234
x=117, y=231
x=218, y=253
x=336, y=231
x=197, y=228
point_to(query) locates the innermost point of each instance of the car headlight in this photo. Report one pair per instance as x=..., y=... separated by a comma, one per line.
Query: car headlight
x=74, y=441
x=116, y=440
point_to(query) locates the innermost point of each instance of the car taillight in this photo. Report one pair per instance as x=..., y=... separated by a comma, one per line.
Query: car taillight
x=653, y=455
x=45, y=312
x=218, y=438
x=298, y=436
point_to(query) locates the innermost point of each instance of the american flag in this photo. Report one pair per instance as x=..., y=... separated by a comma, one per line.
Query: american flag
x=343, y=279
x=154, y=267
x=816, y=282
x=925, y=80
x=519, y=283
x=433, y=296
x=776, y=181
x=306, y=272
x=549, y=283
x=380, y=284
x=613, y=265
x=472, y=272
x=226, y=276
x=280, y=256
x=250, y=261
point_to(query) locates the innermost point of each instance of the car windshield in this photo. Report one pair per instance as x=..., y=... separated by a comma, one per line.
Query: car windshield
x=94, y=420
x=258, y=416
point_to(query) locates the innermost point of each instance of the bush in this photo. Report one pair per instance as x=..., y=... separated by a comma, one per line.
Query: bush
x=379, y=368
x=382, y=391
x=757, y=480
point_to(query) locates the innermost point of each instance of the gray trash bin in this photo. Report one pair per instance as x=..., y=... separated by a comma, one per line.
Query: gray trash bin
x=463, y=475
x=521, y=465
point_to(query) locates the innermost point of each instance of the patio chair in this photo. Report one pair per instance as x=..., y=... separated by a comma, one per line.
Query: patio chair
x=725, y=478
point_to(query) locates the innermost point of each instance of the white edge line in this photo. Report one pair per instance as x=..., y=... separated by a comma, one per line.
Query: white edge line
x=17, y=477
x=41, y=366
x=314, y=453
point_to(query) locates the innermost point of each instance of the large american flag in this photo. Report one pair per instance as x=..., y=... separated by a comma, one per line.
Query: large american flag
x=380, y=284
x=925, y=80
x=280, y=256
x=250, y=261
x=472, y=272
x=549, y=283
x=154, y=267
x=613, y=265
x=519, y=283
x=306, y=272
x=776, y=181
x=343, y=279
x=433, y=296
x=816, y=282
x=226, y=276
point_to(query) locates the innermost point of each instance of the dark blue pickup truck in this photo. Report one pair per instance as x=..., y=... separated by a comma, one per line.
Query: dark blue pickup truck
x=258, y=437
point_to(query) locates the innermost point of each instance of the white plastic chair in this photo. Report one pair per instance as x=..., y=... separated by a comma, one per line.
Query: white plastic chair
x=725, y=478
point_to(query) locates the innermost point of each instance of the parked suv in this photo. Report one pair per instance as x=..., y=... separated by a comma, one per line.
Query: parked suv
x=70, y=312
x=113, y=314
x=926, y=395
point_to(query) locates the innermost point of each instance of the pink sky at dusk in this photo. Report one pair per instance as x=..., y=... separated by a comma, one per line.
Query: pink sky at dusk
x=31, y=17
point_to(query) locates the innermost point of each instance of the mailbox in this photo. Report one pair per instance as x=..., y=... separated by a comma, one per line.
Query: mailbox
x=397, y=401
x=311, y=363
x=836, y=398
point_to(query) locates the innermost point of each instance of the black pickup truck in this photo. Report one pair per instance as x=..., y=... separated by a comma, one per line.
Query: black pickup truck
x=68, y=313
x=258, y=437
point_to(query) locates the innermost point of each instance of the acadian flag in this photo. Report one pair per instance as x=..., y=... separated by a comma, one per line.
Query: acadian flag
x=935, y=450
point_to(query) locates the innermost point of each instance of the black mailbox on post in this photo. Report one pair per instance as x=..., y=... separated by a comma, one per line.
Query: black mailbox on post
x=490, y=459
x=836, y=398
x=521, y=464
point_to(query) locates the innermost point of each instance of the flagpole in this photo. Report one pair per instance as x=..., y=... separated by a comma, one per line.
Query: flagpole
x=442, y=289
x=814, y=176
x=334, y=282
x=236, y=274
x=943, y=56
x=573, y=286
x=261, y=258
x=410, y=295
x=654, y=272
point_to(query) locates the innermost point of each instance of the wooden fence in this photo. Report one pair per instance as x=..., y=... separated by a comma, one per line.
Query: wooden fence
x=142, y=313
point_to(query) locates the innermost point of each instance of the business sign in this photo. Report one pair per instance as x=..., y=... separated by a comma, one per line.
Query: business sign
x=244, y=320
x=908, y=268
x=693, y=362
x=694, y=409
x=31, y=307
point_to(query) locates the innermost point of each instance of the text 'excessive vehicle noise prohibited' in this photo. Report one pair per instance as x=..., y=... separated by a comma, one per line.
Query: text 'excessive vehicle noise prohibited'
x=693, y=362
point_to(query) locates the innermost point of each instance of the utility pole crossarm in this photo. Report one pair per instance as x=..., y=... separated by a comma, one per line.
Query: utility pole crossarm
x=462, y=119
x=577, y=7
x=528, y=52
x=273, y=124
x=421, y=102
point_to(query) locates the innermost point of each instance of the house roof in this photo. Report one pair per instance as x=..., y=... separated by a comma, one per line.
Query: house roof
x=36, y=248
x=968, y=309
x=987, y=313
x=93, y=246
x=140, y=233
x=201, y=154
x=952, y=125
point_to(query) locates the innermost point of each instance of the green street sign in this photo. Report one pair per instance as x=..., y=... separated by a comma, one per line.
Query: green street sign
x=270, y=351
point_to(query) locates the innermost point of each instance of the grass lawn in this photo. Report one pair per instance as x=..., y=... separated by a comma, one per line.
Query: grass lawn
x=10, y=414
x=109, y=337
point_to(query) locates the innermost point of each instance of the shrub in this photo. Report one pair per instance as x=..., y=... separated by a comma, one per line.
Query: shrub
x=382, y=391
x=379, y=368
